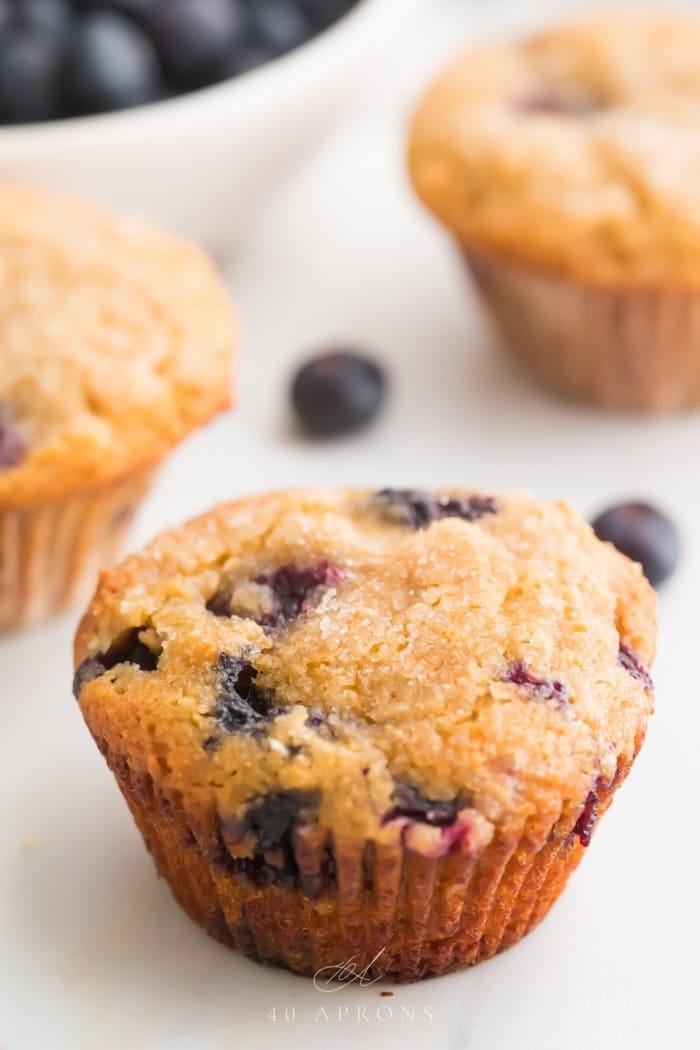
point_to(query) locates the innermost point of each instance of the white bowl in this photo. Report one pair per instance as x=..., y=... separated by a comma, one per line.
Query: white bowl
x=204, y=163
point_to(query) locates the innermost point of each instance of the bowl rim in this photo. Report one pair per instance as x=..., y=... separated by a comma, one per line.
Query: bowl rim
x=172, y=109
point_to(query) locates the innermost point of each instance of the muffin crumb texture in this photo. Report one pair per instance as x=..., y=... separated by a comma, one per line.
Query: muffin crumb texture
x=116, y=340
x=314, y=642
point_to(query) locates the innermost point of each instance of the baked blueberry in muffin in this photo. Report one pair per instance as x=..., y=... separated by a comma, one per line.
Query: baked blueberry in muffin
x=372, y=724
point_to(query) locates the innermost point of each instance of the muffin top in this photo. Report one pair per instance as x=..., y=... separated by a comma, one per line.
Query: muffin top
x=116, y=340
x=576, y=150
x=390, y=660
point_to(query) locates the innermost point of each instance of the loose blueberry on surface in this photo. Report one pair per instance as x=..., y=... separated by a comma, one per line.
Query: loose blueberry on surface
x=127, y=649
x=338, y=393
x=197, y=39
x=540, y=688
x=632, y=663
x=241, y=705
x=645, y=535
x=30, y=68
x=12, y=446
x=409, y=802
x=589, y=817
x=293, y=588
x=278, y=25
x=111, y=64
x=420, y=509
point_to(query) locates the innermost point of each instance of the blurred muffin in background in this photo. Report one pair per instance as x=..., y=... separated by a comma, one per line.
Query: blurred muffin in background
x=566, y=165
x=116, y=341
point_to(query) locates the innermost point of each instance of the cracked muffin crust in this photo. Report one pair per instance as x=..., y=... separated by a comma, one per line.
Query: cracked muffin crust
x=116, y=341
x=565, y=165
x=370, y=721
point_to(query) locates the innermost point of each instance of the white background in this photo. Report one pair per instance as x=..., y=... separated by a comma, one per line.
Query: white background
x=93, y=953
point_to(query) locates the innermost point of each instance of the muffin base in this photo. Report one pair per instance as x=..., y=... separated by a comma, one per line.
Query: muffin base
x=628, y=349
x=50, y=554
x=396, y=914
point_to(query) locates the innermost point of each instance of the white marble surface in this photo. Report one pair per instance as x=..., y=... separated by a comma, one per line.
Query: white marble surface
x=93, y=954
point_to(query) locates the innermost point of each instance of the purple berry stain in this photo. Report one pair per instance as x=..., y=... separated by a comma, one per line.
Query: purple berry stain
x=13, y=448
x=539, y=688
x=421, y=509
x=549, y=102
x=293, y=589
x=588, y=817
x=632, y=663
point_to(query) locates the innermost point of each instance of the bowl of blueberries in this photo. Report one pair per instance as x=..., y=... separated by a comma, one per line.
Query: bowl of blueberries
x=186, y=111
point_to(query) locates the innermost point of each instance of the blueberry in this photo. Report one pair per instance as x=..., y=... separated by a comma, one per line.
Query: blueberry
x=324, y=13
x=126, y=649
x=111, y=64
x=293, y=589
x=411, y=803
x=241, y=705
x=30, y=68
x=12, y=446
x=420, y=509
x=645, y=535
x=55, y=16
x=272, y=819
x=196, y=39
x=278, y=25
x=338, y=393
x=539, y=688
x=271, y=822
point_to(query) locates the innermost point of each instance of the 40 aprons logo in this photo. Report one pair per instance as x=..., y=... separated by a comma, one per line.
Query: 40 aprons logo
x=330, y=980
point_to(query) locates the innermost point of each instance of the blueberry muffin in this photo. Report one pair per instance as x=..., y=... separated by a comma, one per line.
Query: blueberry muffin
x=371, y=725
x=116, y=341
x=566, y=165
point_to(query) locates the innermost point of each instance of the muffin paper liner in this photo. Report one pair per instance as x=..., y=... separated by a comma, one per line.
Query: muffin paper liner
x=50, y=554
x=629, y=349
x=402, y=914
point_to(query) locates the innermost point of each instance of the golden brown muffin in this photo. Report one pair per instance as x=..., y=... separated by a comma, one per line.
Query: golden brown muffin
x=371, y=725
x=116, y=341
x=565, y=165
